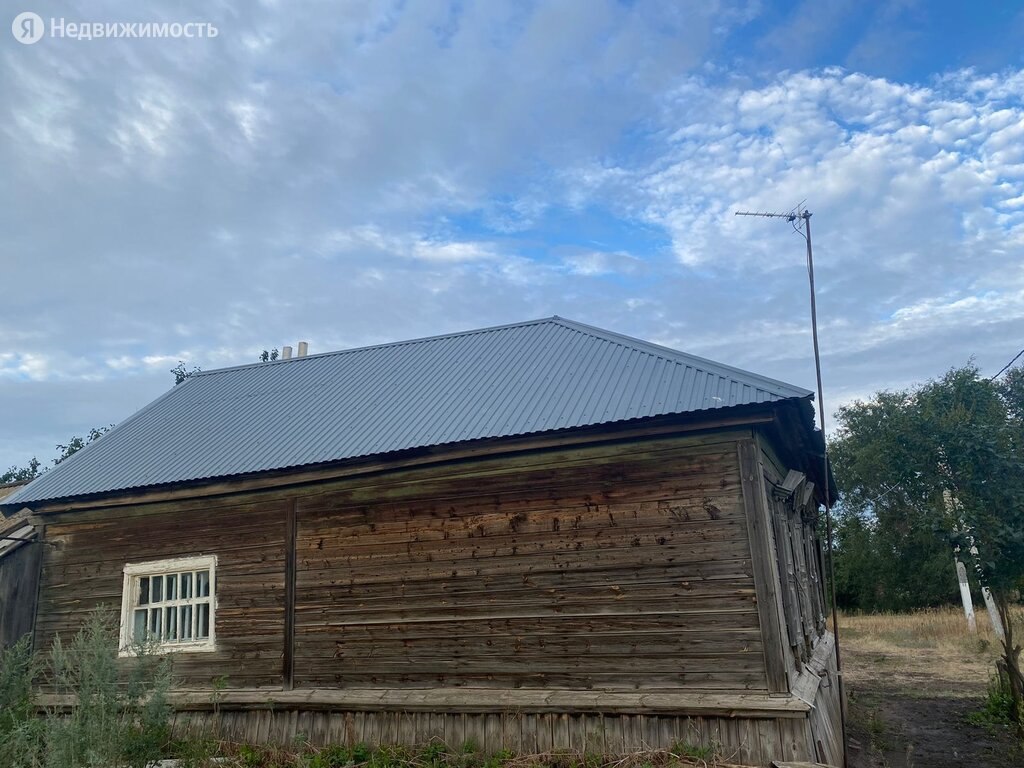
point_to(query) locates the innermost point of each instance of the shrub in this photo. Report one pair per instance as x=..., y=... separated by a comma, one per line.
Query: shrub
x=120, y=714
x=997, y=709
x=19, y=728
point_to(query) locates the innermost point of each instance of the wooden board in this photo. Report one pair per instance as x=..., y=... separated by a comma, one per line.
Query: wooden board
x=508, y=600
x=766, y=575
x=85, y=570
x=19, y=579
x=619, y=567
x=741, y=741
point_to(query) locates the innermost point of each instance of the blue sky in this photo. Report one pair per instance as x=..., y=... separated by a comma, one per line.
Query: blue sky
x=363, y=172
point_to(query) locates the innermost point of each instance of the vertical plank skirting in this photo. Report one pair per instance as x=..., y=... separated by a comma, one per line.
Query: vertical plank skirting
x=748, y=741
x=762, y=554
x=290, y=568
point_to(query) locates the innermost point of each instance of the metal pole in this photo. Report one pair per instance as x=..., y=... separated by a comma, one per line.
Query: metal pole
x=806, y=216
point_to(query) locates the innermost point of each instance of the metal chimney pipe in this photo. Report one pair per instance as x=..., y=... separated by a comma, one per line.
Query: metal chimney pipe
x=286, y=353
x=303, y=349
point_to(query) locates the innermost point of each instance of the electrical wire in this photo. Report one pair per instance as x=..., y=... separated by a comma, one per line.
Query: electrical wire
x=1005, y=367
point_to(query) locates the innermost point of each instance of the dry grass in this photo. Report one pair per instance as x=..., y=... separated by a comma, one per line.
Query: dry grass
x=925, y=652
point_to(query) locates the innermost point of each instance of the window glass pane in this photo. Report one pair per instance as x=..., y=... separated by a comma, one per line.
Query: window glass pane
x=203, y=624
x=171, y=587
x=185, y=622
x=186, y=585
x=143, y=590
x=154, y=588
x=139, y=626
x=154, y=622
x=171, y=623
x=202, y=583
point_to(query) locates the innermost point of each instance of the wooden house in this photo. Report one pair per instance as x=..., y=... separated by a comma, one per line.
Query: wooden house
x=532, y=537
x=19, y=571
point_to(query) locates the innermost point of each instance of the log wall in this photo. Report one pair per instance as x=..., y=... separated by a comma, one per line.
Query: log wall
x=622, y=566
x=618, y=567
x=85, y=570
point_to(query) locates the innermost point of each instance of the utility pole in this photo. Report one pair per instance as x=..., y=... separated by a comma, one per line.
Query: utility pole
x=800, y=219
x=953, y=509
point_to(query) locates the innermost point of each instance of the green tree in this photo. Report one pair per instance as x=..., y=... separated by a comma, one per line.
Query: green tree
x=181, y=373
x=886, y=559
x=891, y=565
x=35, y=468
x=932, y=470
x=16, y=474
x=75, y=444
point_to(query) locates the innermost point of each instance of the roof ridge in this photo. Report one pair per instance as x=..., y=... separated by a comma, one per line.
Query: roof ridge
x=384, y=345
x=675, y=355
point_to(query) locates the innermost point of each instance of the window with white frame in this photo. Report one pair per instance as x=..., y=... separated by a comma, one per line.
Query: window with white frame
x=169, y=604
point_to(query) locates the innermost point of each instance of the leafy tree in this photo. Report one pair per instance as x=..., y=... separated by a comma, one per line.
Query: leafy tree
x=885, y=558
x=930, y=471
x=75, y=444
x=181, y=373
x=882, y=566
x=16, y=474
x=35, y=468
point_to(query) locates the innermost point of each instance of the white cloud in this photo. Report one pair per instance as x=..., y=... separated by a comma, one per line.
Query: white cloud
x=408, y=169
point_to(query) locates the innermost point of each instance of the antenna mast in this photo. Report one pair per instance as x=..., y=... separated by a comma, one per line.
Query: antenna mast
x=800, y=219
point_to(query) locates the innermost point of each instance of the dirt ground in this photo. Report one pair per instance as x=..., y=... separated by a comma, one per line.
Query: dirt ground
x=912, y=682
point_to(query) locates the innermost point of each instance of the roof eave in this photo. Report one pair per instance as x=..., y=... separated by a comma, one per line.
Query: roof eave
x=728, y=417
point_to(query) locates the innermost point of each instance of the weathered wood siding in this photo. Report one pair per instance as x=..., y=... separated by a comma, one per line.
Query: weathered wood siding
x=85, y=570
x=19, y=576
x=747, y=741
x=797, y=551
x=620, y=566
x=825, y=717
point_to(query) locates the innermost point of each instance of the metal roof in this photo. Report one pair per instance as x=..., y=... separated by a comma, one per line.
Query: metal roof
x=520, y=379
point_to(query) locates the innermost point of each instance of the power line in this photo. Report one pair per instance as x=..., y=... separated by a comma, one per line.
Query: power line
x=1005, y=367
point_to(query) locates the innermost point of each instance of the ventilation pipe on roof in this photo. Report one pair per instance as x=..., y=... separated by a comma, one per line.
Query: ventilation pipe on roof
x=303, y=349
x=286, y=353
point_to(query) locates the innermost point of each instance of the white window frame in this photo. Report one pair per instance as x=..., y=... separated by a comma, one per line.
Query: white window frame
x=133, y=572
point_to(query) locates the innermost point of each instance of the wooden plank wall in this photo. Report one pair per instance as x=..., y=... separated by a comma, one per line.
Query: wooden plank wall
x=616, y=566
x=85, y=569
x=622, y=566
x=825, y=717
x=612, y=567
x=19, y=577
x=749, y=741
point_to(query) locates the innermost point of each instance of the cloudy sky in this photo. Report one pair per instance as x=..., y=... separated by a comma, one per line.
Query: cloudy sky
x=356, y=172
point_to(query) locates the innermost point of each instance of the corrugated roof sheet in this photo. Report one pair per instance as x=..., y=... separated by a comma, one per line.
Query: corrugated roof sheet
x=495, y=382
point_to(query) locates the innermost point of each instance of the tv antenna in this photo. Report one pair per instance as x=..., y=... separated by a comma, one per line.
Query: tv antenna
x=800, y=219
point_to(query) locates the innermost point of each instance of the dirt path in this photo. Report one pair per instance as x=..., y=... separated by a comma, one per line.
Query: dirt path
x=893, y=729
x=912, y=683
